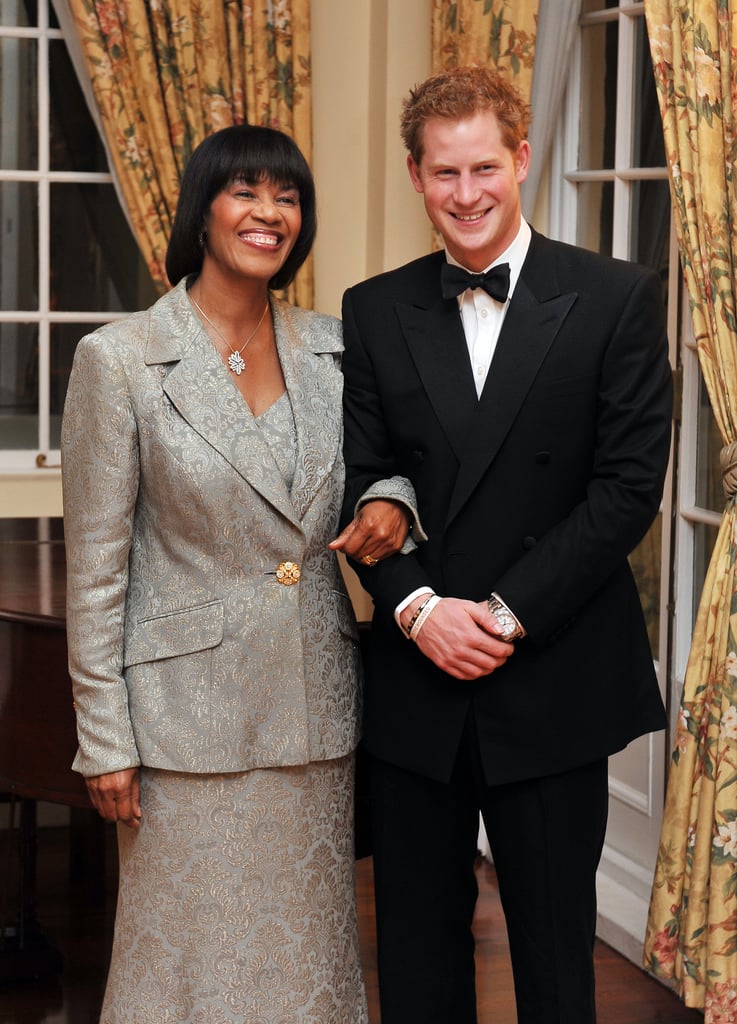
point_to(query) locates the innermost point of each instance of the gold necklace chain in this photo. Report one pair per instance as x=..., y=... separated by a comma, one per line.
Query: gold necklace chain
x=235, y=359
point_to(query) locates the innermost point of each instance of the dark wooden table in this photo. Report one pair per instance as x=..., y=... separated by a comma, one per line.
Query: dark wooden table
x=37, y=731
x=37, y=728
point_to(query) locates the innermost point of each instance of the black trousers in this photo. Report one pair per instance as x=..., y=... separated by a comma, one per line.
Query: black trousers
x=546, y=837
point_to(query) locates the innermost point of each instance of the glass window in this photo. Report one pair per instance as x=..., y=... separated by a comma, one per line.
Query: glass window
x=23, y=13
x=19, y=386
x=18, y=104
x=67, y=255
x=709, y=492
x=19, y=245
x=650, y=225
x=64, y=338
x=705, y=537
x=646, y=565
x=622, y=200
x=598, y=100
x=595, y=209
x=647, y=138
x=94, y=259
x=74, y=144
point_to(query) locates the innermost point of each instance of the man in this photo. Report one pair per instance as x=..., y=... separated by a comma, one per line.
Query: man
x=508, y=656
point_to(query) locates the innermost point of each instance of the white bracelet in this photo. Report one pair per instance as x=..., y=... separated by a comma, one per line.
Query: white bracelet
x=417, y=625
x=416, y=614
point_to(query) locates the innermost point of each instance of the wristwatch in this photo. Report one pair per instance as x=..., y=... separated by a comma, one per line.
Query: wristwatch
x=509, y=627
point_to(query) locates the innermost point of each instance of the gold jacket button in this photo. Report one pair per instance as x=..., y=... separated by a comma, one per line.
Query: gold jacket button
x=288, y=573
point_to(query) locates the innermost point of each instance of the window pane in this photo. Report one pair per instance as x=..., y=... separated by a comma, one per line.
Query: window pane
x=595, y=205
x=599, y=98
x=648, y=149
x=18, y=245
x=73, y=143
x=709, y=492
x=95, y=264
x=705, y=537
x=18, y=386
x=18, y=105
x=22, y=13
x=589, y=6
x=650, y=226
x=64, y=338
x=645, y=562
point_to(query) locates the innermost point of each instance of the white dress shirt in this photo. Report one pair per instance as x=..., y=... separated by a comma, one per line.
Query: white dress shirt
x=483, y=316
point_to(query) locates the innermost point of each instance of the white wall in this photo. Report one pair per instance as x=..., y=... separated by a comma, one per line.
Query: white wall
x=31, y=495
x=365, y=58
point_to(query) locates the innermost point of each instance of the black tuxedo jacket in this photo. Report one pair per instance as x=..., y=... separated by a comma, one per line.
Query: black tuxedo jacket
x=538, y=490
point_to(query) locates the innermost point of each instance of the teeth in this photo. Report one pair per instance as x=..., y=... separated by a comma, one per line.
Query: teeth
x=472, y=216
x=261, y=239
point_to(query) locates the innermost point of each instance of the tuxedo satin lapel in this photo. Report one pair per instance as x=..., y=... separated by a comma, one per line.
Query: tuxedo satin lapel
x=435, y=339
x=529, y=330
x=314, y=384
x=200, y=389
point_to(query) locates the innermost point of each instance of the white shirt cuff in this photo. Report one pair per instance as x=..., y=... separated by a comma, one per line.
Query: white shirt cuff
x=408, y=600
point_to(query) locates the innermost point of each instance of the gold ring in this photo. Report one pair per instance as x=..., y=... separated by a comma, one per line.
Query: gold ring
x=369, y=561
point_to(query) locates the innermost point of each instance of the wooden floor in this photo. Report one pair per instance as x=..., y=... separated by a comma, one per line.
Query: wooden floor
x=79, y=922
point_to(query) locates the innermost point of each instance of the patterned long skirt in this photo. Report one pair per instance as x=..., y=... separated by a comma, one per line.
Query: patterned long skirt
x=236, y=901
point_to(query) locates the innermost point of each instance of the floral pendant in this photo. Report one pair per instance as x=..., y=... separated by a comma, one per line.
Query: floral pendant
x=235, y=362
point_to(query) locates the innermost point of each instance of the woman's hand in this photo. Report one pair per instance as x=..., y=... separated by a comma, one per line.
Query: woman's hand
x=115, y=796
x=379, y=530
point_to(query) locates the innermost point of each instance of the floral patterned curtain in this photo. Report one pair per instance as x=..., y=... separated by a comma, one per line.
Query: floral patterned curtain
x=498, y=32
x=692, y=927
x=167, y=74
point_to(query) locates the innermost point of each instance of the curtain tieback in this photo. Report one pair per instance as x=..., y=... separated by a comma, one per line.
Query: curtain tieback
x=728, y=463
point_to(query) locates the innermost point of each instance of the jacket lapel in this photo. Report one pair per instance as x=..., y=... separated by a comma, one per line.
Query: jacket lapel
x=199, y=388
x=435, y=338
x=315, y=386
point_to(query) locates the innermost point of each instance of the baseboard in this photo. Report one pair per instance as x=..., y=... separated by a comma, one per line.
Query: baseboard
x=622, y=918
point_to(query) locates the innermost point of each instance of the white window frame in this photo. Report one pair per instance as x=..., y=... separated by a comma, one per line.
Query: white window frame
x=565, y=176
x=690, y=515
x=681, y=515
x=637, y=775
x=42, y=461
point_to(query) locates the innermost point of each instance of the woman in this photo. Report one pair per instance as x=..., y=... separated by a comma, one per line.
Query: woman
x=212, y=646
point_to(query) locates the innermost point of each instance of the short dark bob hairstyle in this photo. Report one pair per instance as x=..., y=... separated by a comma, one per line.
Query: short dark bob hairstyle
x=247, y=153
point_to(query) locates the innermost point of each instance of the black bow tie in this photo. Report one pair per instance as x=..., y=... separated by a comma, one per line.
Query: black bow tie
x=495, y=282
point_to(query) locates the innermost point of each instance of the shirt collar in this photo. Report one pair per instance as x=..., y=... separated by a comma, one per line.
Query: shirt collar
x=514, y=255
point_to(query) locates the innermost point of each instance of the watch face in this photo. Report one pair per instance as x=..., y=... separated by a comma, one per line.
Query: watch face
x=507, y=623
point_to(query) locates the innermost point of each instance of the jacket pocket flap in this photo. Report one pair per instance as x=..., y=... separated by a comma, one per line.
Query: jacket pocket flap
x=174, y=633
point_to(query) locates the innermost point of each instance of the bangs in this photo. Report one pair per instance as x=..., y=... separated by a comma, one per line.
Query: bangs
x=263, y=155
